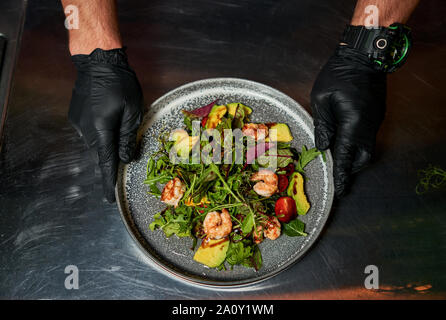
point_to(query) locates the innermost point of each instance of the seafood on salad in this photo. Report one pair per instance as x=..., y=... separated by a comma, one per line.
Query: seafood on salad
x=230, y=209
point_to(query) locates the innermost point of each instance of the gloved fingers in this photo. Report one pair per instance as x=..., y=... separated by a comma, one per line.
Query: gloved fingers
x=108, y=163
x=323, y=134
x=131, y=120
x=74, y=113
x=344, y=154
x=127, y=146
x=84, y=125
x=362, y=159
x=324, y=126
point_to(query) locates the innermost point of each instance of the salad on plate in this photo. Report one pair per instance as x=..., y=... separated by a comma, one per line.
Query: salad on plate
x=229, y=184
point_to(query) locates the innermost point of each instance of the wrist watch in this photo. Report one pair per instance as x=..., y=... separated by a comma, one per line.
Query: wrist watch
x=386, y=47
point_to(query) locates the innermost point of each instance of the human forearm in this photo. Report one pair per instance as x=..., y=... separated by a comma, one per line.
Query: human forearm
x=106, y=112
x=98, y=26
x=390, y=11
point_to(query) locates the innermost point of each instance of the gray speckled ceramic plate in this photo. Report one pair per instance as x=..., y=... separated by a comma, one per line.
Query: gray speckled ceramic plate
x=174, y=256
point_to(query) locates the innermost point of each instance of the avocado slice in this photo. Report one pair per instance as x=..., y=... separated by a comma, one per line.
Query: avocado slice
x=283, y=132
x=215, y=116
x=232, y=107
x=178, y=135
x=296, y=191
x=183, y=143
x=212, y=253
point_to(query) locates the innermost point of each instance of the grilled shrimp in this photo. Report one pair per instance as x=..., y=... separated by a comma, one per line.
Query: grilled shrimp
x=271, y=230
x=173, y=192
x=257, y=131
x=268, y=182
x=217, y=225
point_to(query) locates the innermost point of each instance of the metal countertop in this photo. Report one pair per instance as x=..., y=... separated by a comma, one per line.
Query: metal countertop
x=51, y=208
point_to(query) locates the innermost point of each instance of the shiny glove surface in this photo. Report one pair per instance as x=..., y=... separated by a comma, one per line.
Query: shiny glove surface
x=106, y=109
x=348, y=103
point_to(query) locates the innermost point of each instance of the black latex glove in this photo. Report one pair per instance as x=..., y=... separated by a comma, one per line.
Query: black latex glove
x=106, y=109
x=348, y=102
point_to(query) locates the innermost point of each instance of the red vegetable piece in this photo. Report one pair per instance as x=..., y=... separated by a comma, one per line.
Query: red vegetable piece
x=285, y=209
x=203, y=121
x=290, y=168
x=283, y=182
x=202, y=111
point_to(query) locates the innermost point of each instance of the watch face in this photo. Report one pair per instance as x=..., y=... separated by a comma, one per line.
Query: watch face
x=399, y=48
x=386, y=47
x=394, y=47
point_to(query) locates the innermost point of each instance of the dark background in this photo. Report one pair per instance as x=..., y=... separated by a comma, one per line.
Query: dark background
x=51, y=208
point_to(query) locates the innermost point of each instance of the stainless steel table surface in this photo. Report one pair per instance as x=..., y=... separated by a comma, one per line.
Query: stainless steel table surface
x=51, y=208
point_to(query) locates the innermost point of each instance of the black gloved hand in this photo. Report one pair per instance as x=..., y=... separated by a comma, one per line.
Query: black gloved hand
x=106, y=109
x=348, y=101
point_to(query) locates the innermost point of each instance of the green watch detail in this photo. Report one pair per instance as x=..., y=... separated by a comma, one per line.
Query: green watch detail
x=387, y=48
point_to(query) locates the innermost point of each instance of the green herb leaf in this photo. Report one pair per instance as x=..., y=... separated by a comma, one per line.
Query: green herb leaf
x=188, y=122
x=172, y=222
x=255, y=261
x=306, y=156
x=294, y=228
x=283, y=145
x=238, y=253
x=248, y=223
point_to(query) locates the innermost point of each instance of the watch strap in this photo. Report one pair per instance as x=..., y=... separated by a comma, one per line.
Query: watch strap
x=385, y=47
x=366, y=40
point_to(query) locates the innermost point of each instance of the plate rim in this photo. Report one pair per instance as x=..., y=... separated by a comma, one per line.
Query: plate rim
x=171, y=273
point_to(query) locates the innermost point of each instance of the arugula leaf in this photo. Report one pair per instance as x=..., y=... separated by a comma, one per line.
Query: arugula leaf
x=238, y=253
x=306, y=156
x=283, y=145
x=157, y=172
x=244, y=253
x=294, y=228
x=247, y=223
x=257, y=258
x=159, y=221
x=188, y=122
x=172, y=222
x=154, y=190
x=255, y=261
x=216, y=170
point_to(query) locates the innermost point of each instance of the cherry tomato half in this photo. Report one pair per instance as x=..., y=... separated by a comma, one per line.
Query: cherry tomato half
x=285, y=209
